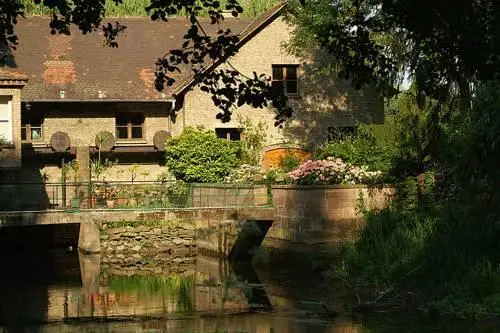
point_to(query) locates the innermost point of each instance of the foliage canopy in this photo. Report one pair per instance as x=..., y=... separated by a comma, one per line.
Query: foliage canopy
x=228, y=87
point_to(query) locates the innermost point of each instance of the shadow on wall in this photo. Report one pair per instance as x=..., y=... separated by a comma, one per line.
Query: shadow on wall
x=323, y=215
x=23, y=189
x=328, y=101
x=6, y=57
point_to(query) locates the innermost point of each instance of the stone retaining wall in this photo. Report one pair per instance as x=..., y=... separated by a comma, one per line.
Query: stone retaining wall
x=147, y=264
x=229, y=195
x=322, y=213
x=163, y=247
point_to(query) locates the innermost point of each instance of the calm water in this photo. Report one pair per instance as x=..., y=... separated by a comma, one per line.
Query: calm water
x=60, y=291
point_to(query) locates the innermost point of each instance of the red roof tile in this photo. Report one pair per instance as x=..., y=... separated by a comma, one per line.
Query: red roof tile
x=82, y=66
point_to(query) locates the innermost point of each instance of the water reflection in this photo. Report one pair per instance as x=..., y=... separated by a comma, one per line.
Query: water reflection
x=67, y=292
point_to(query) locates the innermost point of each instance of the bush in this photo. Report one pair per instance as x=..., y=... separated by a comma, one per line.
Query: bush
x=289, y=162
x=245, y=174
x=331, y=171
x=199, y=156
x=359, y=151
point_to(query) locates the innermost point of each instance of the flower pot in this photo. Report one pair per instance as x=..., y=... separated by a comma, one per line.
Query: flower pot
x=75, y=203
x=121, y=202
x=132, y=202
x=110, y=203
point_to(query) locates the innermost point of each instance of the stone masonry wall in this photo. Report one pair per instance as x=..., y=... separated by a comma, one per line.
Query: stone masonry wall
x=229, y=195
x=10, y=158
x=83, y=121
x=164, y=247
x=322, y=214
x=323, y=101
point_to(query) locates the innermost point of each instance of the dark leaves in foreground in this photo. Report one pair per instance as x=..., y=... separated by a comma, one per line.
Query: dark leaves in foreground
x=200, y=52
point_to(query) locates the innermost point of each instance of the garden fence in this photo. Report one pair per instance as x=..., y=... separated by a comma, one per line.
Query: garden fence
x=128, y=195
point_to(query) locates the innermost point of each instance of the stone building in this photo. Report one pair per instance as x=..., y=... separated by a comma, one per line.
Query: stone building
x=76, y=91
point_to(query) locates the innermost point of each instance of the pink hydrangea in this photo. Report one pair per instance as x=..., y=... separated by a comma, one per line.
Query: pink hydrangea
x=331, y=171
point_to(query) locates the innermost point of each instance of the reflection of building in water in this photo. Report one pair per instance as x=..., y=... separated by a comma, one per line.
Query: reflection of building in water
x=210, y=287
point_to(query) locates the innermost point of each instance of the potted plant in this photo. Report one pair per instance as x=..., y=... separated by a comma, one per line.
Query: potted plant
x=110, y=194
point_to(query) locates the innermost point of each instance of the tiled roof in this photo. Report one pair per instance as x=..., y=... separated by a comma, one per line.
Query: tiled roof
x=12, y=78
x=83, y=67
x=246, y=34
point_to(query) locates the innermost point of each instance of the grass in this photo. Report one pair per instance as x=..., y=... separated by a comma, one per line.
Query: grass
x=251, y=8
x=440, y=259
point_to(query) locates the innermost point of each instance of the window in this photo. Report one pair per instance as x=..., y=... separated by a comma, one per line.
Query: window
x=340, y=133
x=5, y=118
x=285, y=79
x=228, y=133
x=31, y=127
x=129, y=126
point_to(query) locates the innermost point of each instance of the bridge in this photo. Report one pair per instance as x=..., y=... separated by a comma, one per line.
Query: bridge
x=232, y=232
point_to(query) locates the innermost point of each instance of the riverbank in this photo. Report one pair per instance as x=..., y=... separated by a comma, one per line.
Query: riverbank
x=431, y=259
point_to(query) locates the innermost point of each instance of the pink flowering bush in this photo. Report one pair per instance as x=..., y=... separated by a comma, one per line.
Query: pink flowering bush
x=331, y=171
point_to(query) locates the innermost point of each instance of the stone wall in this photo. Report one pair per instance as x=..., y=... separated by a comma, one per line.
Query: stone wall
x=324, y=101
x=229, y=195
x=322, y=214
x=164, y=247
x=83, y=121
x=10, y=157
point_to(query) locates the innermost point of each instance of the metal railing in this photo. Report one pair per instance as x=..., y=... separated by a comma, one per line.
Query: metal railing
x=128, y=195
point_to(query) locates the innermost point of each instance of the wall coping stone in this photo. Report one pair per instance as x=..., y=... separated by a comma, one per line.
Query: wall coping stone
x=326, y=187
x=228, y=185
x=284, y=146
x=7, y=146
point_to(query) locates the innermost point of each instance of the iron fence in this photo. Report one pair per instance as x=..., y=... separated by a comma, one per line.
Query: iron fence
x=128, y=195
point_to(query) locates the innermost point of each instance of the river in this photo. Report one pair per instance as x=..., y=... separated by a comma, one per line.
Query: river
x=63, y=291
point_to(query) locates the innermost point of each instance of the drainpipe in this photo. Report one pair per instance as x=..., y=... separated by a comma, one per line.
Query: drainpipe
x=172, y=101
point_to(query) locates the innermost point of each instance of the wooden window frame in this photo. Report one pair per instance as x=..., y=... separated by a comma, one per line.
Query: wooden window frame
x=285, y=80
x=228, y=134
x=27, y=126
x=129, y=126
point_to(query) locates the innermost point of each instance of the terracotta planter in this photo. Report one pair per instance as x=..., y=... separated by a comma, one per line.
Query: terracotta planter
x=132, y=202
x=121, y=202
x=110, y=203
x=88, y=203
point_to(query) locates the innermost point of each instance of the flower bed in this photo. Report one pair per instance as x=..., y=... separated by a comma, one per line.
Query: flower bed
x=331, y=171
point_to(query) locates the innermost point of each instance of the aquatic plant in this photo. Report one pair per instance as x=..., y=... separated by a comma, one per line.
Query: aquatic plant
x=176, y=286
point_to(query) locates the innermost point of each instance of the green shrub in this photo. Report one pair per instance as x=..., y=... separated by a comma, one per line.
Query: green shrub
x=289, y=162
x=246, y=173
x=358, y=151
x=199, y=156
x=253, y=139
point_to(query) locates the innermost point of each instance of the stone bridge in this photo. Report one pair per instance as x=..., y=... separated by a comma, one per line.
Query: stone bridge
x=229, y=232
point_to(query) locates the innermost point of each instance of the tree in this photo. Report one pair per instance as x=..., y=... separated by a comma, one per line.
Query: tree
x=228, y=87
x=445, y=48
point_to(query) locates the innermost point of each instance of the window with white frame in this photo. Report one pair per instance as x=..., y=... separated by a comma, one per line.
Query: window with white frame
x=6, y=118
